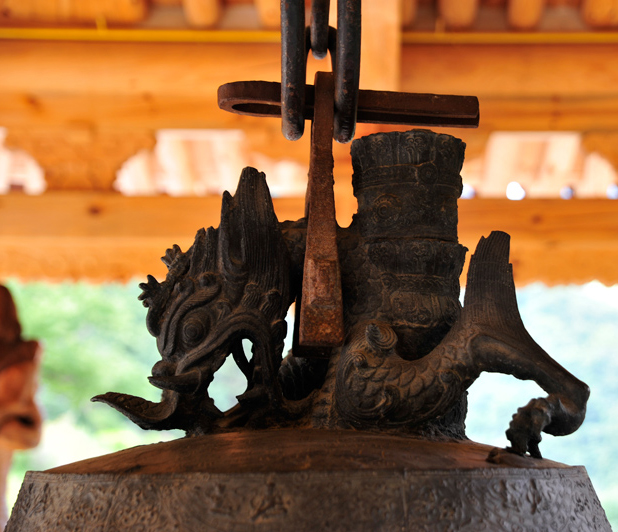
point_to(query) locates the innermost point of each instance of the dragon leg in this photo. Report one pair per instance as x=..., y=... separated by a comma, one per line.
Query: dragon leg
x=375, y=385
x=504, y=345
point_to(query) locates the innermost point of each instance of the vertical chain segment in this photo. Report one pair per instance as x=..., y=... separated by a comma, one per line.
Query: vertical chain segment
x=344, y=47
x=293, y=68
x=347, y=73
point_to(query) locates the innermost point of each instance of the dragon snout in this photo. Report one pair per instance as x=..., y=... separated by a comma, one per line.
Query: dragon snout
x=189, y=382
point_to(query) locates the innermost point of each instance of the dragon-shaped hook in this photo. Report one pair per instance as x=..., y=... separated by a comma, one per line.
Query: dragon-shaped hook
x=411, y=350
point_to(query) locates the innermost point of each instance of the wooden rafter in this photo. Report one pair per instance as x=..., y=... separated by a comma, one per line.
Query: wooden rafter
x=70, y=90
x=84, y=93
x=104, y=236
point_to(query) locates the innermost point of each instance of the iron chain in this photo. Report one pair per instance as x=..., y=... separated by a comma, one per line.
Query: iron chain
x=344, y=47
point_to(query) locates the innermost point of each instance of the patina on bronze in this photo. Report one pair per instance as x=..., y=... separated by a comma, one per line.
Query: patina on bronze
x=370, y=439
x=362, y=427
x=410, y=350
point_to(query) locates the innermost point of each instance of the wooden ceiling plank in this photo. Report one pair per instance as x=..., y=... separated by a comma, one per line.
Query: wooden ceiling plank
x=110, y=237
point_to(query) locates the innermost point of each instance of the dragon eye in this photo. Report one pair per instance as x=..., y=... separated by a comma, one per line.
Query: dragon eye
x=194, y=330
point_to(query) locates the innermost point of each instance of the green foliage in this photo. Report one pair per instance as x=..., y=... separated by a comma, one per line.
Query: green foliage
x=95, y=340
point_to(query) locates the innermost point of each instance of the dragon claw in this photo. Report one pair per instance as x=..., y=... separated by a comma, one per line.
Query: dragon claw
x=525, y=429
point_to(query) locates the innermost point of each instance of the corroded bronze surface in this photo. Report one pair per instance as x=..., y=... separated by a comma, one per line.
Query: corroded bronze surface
x=288, y=450
x=284, y=480
x=410, y=349
x=409, y=354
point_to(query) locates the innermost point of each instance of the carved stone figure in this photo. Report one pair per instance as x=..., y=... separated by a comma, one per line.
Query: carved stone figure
x=20, y=419
x=410, y=351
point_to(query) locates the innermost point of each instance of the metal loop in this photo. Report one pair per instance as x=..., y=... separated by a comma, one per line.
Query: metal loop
x=347, y=73
x=344, y=47
x=293, y=68
x=319, y=28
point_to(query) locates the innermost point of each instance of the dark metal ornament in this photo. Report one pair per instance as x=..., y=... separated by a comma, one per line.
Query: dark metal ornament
x=371, y=438
x=361, y=427
x=410, y=350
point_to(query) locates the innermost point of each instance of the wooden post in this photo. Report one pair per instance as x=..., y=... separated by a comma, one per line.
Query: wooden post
x=381, y=45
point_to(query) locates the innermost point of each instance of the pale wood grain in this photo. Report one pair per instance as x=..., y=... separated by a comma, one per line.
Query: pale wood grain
x=108, y=237
x=72, y=11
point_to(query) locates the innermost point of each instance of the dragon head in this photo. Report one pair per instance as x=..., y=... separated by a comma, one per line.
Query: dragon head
x=231, y=284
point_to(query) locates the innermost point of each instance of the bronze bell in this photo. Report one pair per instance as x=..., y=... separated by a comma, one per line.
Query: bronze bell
x=370, y=439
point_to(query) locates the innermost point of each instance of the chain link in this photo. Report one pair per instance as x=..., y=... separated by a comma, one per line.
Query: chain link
x=344, y=47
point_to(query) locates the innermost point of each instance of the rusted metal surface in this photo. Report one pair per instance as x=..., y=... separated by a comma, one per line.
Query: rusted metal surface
x=344, y=46
x=263, y=99
x=293, y=66
x=321, y=307
x=319, y=28
x=347, y=73
x=321, y=312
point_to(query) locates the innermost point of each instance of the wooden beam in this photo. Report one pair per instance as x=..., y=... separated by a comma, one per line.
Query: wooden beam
x=552, y=241
x=166, y=85
x=110, y=237
x=73, y=11
x=513, y=72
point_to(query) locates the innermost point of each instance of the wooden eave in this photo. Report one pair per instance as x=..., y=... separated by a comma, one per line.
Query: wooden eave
x=73, y=92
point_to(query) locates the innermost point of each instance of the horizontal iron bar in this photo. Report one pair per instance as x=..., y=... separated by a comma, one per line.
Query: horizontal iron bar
x=263, y=98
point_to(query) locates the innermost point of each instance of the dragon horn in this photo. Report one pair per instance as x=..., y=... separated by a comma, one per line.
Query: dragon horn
x=171, y=255
x=151, y=290
x=152, y=297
